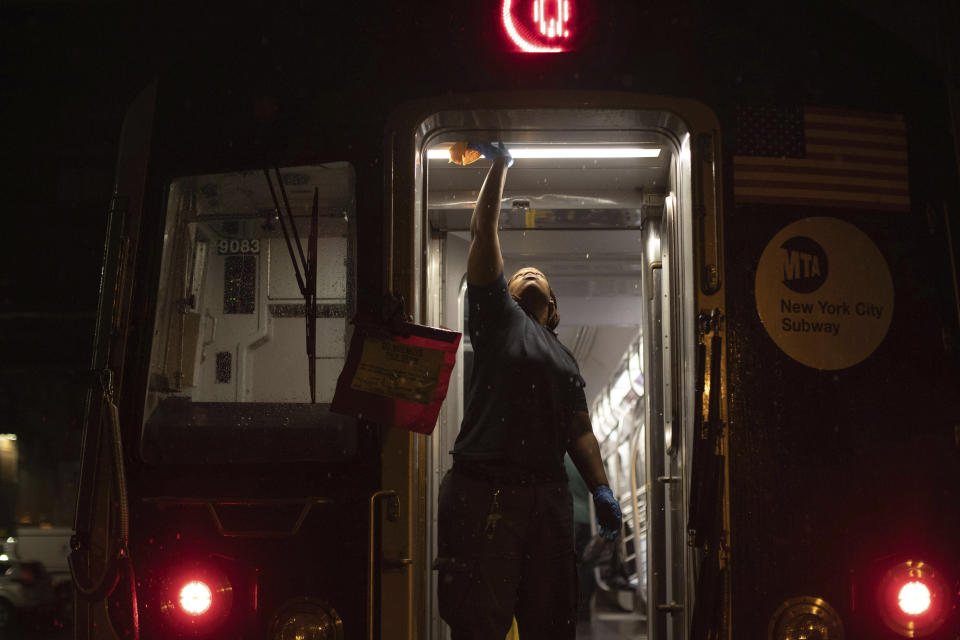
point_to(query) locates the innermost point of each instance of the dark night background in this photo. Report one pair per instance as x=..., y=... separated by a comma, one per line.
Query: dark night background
x=68, y=70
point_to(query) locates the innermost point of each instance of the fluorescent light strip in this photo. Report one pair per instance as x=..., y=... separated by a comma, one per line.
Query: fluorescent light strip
x=565, y=152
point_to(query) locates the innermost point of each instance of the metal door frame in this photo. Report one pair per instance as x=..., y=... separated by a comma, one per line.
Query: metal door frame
x=696, y=241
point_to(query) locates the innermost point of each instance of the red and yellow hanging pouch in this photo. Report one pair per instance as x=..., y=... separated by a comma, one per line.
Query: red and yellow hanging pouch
x=397, y=377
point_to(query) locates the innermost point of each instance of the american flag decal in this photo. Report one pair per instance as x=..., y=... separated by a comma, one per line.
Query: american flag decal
x=821, y=157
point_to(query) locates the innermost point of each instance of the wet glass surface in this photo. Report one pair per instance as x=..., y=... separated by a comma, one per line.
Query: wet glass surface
x=229, y=379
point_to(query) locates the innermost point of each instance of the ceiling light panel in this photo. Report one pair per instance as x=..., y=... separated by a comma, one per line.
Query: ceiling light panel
x=562, y=152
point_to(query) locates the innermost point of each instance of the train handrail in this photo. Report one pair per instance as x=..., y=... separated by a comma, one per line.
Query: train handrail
x=104, y=584
x=635, y=493
x=393, y=514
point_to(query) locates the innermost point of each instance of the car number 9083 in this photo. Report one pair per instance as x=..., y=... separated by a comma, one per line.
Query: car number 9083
x=226, y=247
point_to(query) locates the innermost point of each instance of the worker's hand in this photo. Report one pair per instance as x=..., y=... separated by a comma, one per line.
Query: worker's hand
x=608, y=512
x=492, y=151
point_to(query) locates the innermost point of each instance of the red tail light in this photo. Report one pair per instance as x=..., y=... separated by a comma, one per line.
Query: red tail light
x=196, y=598
x=913, y=599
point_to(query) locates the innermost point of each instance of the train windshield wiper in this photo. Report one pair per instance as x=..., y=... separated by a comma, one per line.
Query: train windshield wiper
x=307, y=281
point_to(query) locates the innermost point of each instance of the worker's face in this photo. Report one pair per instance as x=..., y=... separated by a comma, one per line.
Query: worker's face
x=530, y=287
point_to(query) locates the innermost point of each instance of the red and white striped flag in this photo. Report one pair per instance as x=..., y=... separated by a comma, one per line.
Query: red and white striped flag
x=821, y=157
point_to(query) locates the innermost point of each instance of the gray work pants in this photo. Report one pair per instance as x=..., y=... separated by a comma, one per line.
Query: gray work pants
x=506, y=550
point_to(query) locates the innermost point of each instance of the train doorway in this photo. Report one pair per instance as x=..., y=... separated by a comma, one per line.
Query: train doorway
x=601, y=201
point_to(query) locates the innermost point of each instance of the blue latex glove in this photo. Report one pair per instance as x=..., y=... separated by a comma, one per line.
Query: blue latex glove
x=608, y=513
x=492, y=151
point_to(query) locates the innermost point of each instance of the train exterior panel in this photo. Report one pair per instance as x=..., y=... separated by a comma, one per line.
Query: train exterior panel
x=780, y=280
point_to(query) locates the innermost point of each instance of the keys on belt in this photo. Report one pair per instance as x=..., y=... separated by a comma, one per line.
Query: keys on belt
x=494, y=516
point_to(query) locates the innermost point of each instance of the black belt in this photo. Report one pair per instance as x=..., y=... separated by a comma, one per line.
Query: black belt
x=502, y=474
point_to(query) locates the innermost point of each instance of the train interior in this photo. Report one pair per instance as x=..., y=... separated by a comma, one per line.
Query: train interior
x=602, y=208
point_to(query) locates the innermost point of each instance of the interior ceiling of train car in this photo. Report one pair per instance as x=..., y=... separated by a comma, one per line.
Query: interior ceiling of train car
x=578, y=220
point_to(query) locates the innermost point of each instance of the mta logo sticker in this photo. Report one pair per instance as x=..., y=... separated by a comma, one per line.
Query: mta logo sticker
x=824, y=293
x=805, y=264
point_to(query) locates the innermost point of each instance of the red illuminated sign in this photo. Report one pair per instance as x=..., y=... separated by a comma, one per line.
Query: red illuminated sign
x=538, y=26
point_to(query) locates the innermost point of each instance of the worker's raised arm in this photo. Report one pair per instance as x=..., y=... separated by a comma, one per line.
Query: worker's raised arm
x=485, y=262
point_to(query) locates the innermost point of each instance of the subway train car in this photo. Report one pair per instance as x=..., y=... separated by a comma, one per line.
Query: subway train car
x=749, y=218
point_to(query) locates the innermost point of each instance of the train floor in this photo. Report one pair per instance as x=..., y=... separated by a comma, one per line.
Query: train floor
x=610, y=622
x=597, y=629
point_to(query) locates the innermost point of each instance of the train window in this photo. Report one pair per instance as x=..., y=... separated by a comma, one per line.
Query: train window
x=229, y=379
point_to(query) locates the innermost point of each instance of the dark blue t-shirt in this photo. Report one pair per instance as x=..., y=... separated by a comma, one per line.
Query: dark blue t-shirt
x=525, y=386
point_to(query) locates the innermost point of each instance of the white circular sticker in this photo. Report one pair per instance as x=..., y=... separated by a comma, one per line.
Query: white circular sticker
x=824, y=293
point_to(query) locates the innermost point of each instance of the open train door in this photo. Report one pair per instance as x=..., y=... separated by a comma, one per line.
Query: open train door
x=674, y=226
x=99, y=559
